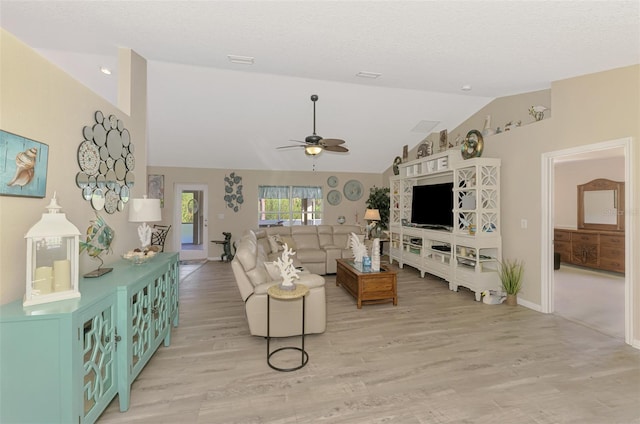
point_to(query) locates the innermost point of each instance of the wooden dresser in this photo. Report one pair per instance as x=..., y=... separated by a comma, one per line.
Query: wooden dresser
x=591, y=248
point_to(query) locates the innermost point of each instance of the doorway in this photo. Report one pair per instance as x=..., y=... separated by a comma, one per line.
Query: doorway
x=549, y=291
x=190, y=221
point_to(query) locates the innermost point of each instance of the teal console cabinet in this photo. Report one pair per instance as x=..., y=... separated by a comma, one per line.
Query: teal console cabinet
x=64, y=362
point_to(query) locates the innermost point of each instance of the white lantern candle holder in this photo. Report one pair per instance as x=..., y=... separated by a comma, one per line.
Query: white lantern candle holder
x=52, y=258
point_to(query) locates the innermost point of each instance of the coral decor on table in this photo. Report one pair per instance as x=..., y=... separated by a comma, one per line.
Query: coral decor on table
x=286, y=268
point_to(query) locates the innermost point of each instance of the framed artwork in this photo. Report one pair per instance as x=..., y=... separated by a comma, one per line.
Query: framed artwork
x=23, y=166
x=155, y=188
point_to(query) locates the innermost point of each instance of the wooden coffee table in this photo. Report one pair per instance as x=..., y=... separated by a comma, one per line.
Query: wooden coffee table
x=367, y=286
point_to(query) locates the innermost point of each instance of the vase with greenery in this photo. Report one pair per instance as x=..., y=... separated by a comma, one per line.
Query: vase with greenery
x=510, y=272
x=379, y=199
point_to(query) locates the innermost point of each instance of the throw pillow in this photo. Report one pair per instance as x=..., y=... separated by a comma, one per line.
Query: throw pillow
x=274, y=243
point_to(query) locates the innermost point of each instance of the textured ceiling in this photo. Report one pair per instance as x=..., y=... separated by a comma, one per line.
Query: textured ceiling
x=207, y=112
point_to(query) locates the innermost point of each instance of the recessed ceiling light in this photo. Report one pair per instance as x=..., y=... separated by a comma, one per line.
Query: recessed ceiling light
x=242, y=60
x=105, y=70
x=465, y=87
x=365, y=74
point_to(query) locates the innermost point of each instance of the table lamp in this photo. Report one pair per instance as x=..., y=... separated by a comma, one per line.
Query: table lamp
x=144, y=210
x=372, y=216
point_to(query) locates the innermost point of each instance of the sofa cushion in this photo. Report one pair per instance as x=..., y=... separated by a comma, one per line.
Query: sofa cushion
x=263, y=240
x=246, y=253
x=289, y=241
x=258, y=275
x=341, y=234
x=325, y=235
x=311, y=255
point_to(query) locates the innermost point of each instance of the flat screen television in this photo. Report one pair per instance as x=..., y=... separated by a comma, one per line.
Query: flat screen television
x=432, y=206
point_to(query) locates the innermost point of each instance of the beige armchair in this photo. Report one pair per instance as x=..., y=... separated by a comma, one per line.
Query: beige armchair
x=253, y=280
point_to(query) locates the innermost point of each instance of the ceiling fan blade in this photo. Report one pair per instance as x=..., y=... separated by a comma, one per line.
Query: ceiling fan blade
x=299, y=141
x=331, y=141
x=340, y=149
x=289, y=147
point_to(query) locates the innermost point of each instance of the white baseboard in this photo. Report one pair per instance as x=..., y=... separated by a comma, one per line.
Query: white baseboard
x=530, y=305
x=635, y=343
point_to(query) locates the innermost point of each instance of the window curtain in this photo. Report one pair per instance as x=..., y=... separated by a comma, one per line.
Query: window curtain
x=282, y=192
x=306, y=193
x=273, y=192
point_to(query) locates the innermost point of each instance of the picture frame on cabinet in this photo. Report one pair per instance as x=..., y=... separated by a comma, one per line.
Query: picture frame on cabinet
x=23, y=166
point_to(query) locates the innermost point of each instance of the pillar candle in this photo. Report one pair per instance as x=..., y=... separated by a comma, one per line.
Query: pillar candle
x=62, y=275
x=42, y=280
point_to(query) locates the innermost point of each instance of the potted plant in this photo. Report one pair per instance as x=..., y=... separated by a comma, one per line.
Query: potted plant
x=510, y=272
x=379, y=199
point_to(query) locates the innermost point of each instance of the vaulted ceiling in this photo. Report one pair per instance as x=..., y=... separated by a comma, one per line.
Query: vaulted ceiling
x=205, y=111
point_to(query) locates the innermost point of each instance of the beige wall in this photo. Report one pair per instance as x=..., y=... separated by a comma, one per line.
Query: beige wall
x=586, y=110
x=568, y=175
x=220, y=218
x=41, y=102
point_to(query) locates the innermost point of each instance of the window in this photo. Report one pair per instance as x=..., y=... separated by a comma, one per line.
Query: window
x=289, y=205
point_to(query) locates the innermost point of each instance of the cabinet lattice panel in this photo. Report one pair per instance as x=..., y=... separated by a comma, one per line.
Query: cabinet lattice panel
x=489, y=175
x=99, y=355
x=141, y=324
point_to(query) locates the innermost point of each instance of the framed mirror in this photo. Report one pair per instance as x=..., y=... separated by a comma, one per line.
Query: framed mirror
x=601, y=205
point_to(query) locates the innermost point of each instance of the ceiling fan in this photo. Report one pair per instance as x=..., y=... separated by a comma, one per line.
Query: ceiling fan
x=314, y=144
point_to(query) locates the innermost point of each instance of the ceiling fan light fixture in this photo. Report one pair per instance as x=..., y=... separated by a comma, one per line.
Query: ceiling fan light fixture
x=312, y=150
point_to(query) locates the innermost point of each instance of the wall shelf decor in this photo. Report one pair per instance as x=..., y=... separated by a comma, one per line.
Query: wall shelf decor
x=23, y=166
x=106, y=159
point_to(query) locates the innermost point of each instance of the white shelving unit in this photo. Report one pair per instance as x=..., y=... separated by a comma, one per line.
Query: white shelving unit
x=468, y=255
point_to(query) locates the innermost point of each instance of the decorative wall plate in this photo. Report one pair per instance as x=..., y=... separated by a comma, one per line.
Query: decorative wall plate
x=472, y=145
x=334, y=197
x=332, y=181
x=353, y=190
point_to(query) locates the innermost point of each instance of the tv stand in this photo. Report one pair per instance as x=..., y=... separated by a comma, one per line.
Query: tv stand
x=433, y=227
x=467, y=254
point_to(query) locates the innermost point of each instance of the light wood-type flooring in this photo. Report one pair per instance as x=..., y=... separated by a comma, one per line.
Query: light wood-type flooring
x=437, y=357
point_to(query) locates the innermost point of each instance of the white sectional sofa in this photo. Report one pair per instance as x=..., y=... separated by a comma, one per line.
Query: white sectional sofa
x=317, y=246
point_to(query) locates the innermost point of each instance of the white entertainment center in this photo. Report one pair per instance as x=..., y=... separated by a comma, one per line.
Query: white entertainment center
x=467, y=254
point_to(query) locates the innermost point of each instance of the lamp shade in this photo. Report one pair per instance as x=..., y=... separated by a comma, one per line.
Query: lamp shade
x=372, y=215
x=144, y=210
